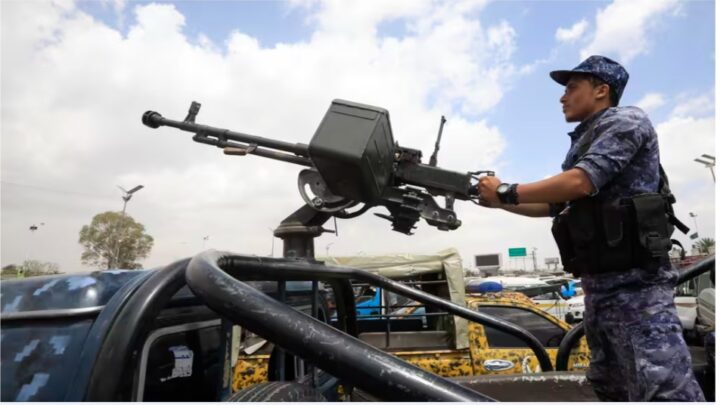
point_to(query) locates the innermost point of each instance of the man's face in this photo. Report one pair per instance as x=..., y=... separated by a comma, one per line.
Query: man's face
x=582, y=99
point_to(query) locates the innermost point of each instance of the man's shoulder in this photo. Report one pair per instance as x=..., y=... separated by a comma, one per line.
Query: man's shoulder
x=629, y=113
x=625, y=117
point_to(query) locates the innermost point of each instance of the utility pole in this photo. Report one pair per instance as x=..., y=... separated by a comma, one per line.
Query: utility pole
x=534, y=257
x=327, y=249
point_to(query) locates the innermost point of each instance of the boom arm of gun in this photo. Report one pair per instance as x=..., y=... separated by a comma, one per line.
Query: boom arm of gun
x=233, y=143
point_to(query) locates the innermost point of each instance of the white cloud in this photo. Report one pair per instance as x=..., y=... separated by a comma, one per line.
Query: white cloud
x=622, y=27
x=74, y=90
x=694, y=106
x=683, y=138
x=573, y=33
x=651, y=101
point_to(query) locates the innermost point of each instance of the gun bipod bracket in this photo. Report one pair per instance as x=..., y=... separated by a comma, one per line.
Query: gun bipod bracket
x=315, y=192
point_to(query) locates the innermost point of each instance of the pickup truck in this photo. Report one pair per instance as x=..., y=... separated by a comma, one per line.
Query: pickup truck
x=169, y=334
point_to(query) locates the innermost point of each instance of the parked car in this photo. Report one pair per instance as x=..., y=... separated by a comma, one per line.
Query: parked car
x=434, y=340
x=561, y=297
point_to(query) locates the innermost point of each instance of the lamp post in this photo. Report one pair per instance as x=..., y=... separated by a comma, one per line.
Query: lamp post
x=534, y=257
x=128, y=195
x=205, y=239
x=32, y=228
x=694, y=217
x=709, y=162
x=327, y=249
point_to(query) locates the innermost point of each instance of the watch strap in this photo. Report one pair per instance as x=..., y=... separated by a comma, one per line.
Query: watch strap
x=510, y=196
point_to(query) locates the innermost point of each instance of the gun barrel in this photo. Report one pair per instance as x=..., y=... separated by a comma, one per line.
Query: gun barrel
x=153, y=119
x=435, y=178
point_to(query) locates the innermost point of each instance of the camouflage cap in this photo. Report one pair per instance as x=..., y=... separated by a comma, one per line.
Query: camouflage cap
x=602, y=67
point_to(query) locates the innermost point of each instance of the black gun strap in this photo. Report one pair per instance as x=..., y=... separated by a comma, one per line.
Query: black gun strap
x=678, y=224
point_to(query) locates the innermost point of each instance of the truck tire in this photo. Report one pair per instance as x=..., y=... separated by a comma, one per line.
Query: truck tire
x=278, y=391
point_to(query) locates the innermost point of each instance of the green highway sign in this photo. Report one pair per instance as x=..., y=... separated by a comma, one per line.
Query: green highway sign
x=517, y=252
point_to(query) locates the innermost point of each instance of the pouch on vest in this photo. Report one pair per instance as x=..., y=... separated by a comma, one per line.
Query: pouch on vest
x=561, y=233
x=581, y=220
x=618, y=231
x=582, y=233
x=652, y=222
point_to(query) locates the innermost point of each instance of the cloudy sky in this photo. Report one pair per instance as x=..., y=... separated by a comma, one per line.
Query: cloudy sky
x=77, y=76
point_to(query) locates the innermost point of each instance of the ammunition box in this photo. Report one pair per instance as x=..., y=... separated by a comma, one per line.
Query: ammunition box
x=352, y=150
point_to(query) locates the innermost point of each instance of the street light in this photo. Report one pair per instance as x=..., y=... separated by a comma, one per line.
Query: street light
x=708, y=162
x=327, y=249
x=694, y=217
x=128, y=195
x=534, y=257
x=272, y=247
x=32, y=228
x=205, y=239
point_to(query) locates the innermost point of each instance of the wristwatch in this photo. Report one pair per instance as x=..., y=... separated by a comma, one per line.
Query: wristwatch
x=507, y=193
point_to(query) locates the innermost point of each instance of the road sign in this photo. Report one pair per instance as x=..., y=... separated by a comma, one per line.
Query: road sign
x=488, y=260
x=694, y=236
x=517, y=252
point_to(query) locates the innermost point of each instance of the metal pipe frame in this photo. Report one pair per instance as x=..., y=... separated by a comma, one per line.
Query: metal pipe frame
x=257, y=268
x=696, y=269
x=211, y=274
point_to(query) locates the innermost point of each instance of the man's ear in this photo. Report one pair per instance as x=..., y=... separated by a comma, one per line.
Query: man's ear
x=602, y=91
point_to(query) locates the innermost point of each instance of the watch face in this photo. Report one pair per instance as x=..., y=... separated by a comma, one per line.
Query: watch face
x=503, y=188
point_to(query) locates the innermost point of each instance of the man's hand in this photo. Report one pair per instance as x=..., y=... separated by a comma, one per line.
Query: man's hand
x=487, y=188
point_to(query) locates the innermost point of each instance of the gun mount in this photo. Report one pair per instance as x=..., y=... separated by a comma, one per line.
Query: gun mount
x=352, y=159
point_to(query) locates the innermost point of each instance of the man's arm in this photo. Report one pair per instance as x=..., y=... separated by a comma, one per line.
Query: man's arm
x=535, y=210
x=566, y=186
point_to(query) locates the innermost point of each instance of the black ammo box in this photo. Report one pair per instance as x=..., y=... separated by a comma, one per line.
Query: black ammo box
x=353, y=150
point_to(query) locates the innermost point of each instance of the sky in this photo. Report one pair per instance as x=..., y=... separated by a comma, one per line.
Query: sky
x=76, y=77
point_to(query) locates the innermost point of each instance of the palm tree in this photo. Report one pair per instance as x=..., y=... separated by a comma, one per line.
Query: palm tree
x=704, y=245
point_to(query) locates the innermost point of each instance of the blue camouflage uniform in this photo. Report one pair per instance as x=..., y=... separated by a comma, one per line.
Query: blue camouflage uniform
x=631, y=324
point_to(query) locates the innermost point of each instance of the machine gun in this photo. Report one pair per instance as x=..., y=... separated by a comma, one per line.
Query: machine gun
x=352, y=159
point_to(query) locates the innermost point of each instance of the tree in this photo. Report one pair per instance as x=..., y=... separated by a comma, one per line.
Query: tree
x=114, y=241
x=30, y=268
x=704, y=245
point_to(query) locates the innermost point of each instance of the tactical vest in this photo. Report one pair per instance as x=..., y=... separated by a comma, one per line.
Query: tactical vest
x=596, y=236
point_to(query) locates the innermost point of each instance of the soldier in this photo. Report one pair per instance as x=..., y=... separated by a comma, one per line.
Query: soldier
x=610, y=223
